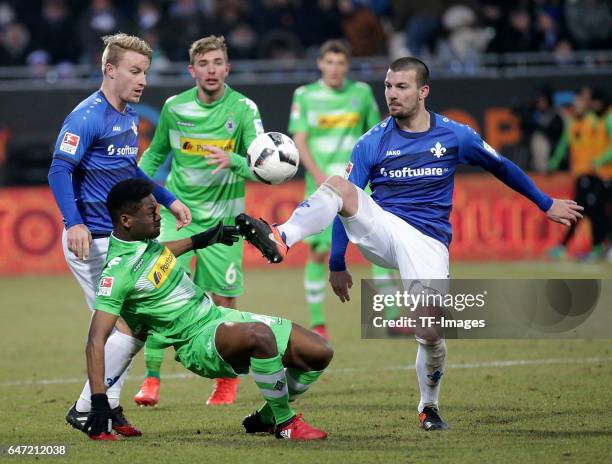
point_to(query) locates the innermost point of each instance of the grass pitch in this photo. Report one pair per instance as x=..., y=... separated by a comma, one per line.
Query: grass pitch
x=506, y=400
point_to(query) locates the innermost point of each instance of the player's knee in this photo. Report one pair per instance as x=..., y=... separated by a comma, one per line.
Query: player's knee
x=322, y=356
x=261, y=339
x=337, y=183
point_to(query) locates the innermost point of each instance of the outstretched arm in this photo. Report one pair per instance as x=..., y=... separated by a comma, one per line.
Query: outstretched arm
x=227, y=235
x=475, y=151
x=565, y=212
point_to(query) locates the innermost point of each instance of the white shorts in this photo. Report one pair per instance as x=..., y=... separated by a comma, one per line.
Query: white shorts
x=87, y=273
x=386, y=240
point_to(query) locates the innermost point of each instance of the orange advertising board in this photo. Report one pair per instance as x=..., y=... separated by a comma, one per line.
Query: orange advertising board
x=490, y=222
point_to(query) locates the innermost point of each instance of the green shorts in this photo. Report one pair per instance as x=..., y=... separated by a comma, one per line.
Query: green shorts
x=218, y=268
x=200, y=355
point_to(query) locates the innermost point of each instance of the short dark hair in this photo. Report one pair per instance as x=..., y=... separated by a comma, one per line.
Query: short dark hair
x=125, y=197
x=409, y=63
x=335, y=46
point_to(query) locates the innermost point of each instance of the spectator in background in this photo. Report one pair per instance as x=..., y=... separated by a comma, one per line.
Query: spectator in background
x=589, y=23
x=564, y=53
x=7, y=15
x=420, y=21
x=14, y=45
x=277, y=23
x=180, y=26
x=583, y=139
x=543, y=126
x=492, y=14
x=517, y=36
x=466, y=40
x=362, y=29
x=147, y=16
x=547, y=32
x=54, y=33
x=323, y=13
x=100, y=19
x=231, y=18
x=600, y=105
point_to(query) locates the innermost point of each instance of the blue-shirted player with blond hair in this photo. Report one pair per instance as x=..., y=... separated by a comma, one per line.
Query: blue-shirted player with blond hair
x=95, y=149
x=409, y=161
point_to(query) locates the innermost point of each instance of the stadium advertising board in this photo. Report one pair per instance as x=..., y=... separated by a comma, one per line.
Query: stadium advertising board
x=489, y=223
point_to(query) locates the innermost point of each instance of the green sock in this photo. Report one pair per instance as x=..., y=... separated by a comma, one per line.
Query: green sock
x=385, y=285
x=265, y=414
x=269, y=375
x=153, y=360
x=299, y=381
x=314, y=285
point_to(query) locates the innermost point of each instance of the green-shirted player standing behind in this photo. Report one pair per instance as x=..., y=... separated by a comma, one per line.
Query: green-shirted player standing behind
x=327, y=117
x=207, y=128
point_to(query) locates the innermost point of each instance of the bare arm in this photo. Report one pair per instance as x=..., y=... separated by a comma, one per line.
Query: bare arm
x=100, y=328
x=227, y=235
x=301, y=142
x=180, y=247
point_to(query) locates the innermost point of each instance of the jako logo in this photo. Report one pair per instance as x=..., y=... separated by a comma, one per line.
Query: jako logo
x=410, y=172
x=393, y=153
x=122, y=151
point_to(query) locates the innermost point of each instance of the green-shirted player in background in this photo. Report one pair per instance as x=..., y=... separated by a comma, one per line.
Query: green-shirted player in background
x=208, y=129
x=142, y=283
x=327, y=117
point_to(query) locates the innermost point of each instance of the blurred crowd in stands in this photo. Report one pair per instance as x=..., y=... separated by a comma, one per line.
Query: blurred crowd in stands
x=573, y=131
x=67, y=32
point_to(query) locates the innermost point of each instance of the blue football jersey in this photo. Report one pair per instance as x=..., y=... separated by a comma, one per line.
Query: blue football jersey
x=412, y=174
x=102, y=144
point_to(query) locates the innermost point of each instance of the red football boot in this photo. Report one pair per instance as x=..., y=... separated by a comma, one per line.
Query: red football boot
x=322, y=331
x=224, y=392
x=297, y=429
x=148, y=395
x=121, y=425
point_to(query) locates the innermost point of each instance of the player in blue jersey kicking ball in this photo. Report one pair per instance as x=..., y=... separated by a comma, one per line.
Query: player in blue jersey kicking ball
x=409, y=160
x=95, y=149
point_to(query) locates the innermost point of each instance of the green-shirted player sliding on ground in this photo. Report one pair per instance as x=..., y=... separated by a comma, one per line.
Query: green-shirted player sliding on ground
x=142, y=283
x=327, y=117
x=207, y=129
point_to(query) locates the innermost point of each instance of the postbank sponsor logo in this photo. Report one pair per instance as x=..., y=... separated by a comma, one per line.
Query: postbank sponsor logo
x=192, y=146
x=162, y=268
x=344, y=120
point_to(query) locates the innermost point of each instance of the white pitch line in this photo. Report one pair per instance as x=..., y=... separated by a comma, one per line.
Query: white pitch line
x=344, y=370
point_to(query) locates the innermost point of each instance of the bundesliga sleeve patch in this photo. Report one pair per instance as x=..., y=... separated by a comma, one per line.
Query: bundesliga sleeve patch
x=106, y=286
x=70, y=143
x=349, y=168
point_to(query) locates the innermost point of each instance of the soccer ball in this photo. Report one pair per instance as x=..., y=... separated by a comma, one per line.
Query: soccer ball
x=273, y=158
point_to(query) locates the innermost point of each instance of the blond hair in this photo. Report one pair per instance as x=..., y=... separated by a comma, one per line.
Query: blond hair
x=117, y=44
x=207, y=44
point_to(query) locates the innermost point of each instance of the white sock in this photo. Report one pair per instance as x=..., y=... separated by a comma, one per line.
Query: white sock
x=430, y=361
x=119, y=351
x=313, y=215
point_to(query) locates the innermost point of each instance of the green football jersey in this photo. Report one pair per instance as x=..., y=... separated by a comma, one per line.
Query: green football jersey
x=185, y=126
x=333, y=120
x=142, y=283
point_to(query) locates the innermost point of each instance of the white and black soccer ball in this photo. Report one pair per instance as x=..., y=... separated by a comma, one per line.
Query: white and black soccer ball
x=273, y=158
